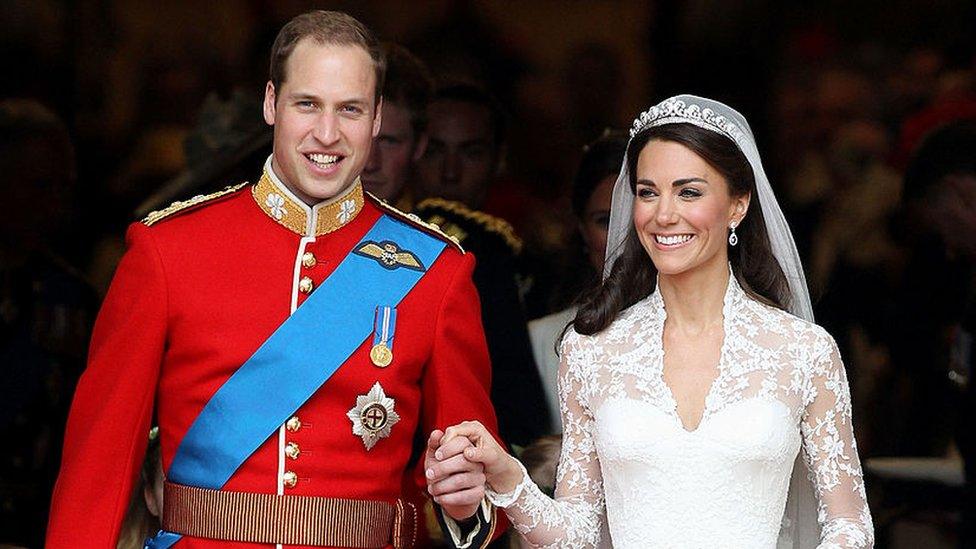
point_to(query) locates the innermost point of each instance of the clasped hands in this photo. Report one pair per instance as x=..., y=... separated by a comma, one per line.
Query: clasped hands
x=460, y=461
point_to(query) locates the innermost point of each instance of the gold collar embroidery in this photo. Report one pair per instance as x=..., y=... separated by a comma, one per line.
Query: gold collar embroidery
x=323, y=218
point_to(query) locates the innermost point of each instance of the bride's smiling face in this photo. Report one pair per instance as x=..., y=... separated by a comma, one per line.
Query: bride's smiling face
x=682, y=208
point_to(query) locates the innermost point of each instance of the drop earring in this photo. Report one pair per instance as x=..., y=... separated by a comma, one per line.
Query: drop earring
x=733, y=238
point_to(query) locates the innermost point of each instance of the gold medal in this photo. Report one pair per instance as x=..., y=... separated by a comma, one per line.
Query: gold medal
x=381, y=355
x=383, y=325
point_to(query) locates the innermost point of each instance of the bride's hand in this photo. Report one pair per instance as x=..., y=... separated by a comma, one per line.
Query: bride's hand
x=457, y=484
x=501, y=470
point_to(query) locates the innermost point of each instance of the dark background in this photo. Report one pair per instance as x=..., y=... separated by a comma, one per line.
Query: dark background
x=839, y=95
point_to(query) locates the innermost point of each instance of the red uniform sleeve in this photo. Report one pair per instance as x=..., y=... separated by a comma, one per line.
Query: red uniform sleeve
x=457, y=378
x=110, y=416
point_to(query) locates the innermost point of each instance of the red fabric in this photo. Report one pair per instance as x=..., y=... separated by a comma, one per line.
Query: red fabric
x=916, y=127
x=193, y=298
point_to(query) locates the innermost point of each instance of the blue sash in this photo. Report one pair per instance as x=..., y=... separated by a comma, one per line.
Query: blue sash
x=298, y=358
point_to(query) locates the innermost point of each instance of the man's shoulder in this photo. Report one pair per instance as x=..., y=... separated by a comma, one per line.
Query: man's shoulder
x=416, y=223
x=192, y=207
x=481, y=232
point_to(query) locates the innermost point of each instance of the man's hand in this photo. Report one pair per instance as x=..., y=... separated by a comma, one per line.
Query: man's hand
x=502, y=471
x=457, y=484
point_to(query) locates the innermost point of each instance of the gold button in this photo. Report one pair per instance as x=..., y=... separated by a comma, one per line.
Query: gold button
x=292, y=451
x=308, y=260
x=290, y=479
x=305, y=285
x=293, y=424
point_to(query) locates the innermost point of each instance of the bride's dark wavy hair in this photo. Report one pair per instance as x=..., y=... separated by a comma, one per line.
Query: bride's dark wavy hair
x=633, y=274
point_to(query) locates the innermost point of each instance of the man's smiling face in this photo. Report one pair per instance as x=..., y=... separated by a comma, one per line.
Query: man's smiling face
x=324, y=116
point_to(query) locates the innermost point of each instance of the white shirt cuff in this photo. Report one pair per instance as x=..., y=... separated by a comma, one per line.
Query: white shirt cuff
x=454, y=529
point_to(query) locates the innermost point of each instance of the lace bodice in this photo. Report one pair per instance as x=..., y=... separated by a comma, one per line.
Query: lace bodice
x=630, y=467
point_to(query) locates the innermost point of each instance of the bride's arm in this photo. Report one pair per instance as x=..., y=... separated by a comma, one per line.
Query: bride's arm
x=831, y=453
x=571, y=520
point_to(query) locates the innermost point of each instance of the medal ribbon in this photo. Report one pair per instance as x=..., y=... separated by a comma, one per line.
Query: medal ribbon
x=385, y=326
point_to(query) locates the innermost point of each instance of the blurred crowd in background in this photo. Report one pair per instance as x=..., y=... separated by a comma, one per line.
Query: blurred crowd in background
x=507, y=127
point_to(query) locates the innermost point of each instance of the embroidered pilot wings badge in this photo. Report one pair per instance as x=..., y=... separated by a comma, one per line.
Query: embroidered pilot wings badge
x=390, y=255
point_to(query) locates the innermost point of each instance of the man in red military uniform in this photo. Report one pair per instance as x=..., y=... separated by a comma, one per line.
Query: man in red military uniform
x=292, y=336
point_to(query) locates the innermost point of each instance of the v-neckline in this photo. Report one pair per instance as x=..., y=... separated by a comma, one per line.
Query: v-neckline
x=720, y=367
x=673, y=408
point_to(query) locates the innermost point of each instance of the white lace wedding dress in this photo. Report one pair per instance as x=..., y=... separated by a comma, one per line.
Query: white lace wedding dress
x=627, y=462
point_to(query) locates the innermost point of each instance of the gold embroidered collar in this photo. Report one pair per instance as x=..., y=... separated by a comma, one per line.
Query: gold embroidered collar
x=283, y=206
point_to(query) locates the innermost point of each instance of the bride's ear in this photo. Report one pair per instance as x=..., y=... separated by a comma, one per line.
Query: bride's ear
x=740, y=206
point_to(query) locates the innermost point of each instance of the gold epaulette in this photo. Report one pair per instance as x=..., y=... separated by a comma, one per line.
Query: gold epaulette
x=415, y=220
x=180, y=205
x=491, y=223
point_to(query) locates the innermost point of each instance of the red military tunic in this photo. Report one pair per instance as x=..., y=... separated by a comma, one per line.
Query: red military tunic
x=196, y=294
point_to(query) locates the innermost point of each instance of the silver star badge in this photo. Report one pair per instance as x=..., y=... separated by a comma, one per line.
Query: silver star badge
x=373, y=416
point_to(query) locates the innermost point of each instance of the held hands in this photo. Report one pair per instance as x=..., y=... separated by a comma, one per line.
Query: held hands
x=457, y=485
x=460, y=461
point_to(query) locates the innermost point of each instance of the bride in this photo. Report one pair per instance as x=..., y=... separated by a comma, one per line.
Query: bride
x=693, y=376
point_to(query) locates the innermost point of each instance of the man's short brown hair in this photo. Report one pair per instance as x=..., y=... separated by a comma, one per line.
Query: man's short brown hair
x=408, y=84
x=325, y=27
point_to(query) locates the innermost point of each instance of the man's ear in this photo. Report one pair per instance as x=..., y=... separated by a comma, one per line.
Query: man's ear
x=269, y=103
x=420, y=147
x=378, y=119
x=501, y=159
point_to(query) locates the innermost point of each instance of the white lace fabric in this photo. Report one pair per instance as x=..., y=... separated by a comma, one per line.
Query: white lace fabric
x=628, y=463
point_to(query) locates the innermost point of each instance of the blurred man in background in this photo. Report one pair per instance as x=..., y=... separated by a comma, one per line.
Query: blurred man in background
x=403, y=136
x=46, y=312
x=464, y=155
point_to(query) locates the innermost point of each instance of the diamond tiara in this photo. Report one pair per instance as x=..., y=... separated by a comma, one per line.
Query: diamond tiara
x=673, y=111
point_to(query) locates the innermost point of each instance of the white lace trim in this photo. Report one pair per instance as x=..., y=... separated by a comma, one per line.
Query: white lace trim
x=504, y=500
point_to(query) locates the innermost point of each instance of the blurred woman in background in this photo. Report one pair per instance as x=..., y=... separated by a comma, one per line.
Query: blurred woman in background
x=591, y=192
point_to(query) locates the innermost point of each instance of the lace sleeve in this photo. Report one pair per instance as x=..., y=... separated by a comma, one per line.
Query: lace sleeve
x=830, y=453
x=573, y=519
